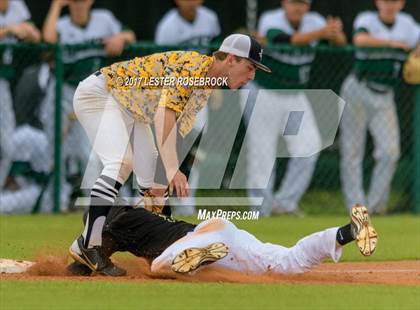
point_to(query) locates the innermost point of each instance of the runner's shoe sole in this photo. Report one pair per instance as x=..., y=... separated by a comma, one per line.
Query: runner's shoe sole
x=192, y=258
x=363, y=232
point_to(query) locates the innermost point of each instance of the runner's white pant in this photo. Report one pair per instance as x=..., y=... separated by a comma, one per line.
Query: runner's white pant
x=122, y=143
x=248, y=254
x=366, y=110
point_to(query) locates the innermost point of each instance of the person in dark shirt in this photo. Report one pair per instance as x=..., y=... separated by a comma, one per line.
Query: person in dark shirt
x=181, y=247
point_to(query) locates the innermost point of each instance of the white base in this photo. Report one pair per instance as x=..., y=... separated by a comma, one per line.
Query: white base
x=14, y=266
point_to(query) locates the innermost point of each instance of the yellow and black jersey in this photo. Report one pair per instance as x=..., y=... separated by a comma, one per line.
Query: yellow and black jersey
x=162, y=79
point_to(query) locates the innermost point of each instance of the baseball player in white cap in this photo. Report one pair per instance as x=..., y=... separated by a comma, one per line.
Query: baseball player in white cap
x=189, y=23
x=116, y=107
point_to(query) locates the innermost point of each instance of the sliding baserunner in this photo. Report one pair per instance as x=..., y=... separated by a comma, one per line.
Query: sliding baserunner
x=183, y=247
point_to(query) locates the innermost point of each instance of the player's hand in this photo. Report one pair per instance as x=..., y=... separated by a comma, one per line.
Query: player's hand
x=20, y=31
x=398, y=44
x=180, y=184
x=114, y=45
x=328, y=32
x=32, y=33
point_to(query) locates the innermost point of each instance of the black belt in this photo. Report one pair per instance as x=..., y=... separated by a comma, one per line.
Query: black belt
x=377, y=88
x=97, y=73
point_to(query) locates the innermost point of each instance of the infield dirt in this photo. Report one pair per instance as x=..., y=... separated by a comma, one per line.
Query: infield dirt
x=391, y=272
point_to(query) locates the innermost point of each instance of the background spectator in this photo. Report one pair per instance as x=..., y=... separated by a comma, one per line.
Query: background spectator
x=370, y=105
x=291, y=24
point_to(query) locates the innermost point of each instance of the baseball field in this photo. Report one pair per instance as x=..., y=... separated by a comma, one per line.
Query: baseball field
x=390, y=279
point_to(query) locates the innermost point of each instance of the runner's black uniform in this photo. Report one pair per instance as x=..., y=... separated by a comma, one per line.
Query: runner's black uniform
x=141, y=232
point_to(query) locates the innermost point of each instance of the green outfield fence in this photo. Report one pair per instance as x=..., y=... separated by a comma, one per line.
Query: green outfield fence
x=328, y=71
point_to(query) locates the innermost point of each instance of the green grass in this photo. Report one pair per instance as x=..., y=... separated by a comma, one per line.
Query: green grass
x=24, y=237
x=117, y=295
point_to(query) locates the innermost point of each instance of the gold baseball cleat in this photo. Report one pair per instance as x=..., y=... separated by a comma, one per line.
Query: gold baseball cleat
x=362, y=230
x=192, y=258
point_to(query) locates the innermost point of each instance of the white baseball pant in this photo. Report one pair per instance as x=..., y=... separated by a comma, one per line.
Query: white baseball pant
x=248, y=254
x=366, y=110
x=122, y=143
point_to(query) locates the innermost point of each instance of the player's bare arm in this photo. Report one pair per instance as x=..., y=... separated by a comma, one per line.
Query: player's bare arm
x=165, y=126
x=25, y=31
x=337, y=36
x=115, y=44
x=364, y=39
x=49, y=30
x=331, y=32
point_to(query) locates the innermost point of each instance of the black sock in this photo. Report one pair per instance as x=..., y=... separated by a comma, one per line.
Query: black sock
x=102, y=197
x=344, y=235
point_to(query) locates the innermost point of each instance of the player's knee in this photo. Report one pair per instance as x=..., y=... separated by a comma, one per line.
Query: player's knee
x=390, y=154
x=119, y=171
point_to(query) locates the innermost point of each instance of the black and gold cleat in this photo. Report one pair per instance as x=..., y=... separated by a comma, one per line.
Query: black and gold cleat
x=95, y=259
x=192, y=258
x=362, y=230
x=78, y=269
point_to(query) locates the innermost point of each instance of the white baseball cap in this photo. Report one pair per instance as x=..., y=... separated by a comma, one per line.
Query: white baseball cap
x=244, y=46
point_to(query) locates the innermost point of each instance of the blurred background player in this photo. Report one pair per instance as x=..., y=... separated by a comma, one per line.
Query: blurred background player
x=189, y=23
x=369, y=95
x=15, y=26
x=82, y=25
x=27, y=186
x=291, y=24
x=193, y=24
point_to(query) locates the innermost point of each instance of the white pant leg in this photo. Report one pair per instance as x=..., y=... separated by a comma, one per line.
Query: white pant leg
x=250, y=255
x=308, y=253
x=386, y=136
x=110, y=128
x=7, y=127
x=107, y=125
x=352, y=140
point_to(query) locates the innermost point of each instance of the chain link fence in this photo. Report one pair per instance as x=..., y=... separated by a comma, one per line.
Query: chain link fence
x=43, y=156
